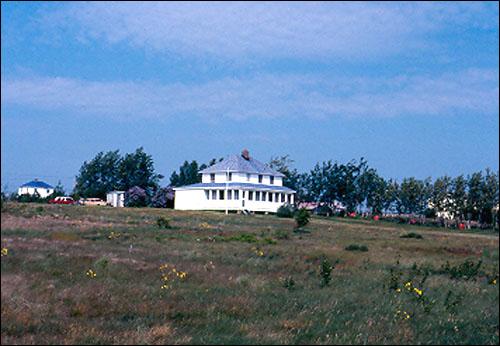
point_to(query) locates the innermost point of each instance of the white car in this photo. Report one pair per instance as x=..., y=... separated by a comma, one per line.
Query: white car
x=91, y=201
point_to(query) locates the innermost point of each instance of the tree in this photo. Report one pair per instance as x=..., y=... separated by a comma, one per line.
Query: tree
x=489, y=197
x=188, y=174
x=474, y=185
x=459, y=197
x=137, y=169
x=441, y=197
x=99, y=176
x=413, y=195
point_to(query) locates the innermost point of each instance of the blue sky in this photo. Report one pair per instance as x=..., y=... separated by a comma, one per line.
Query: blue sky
x=412, y=87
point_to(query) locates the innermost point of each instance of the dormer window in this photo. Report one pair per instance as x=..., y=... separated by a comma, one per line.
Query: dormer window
x=230, y=176
x=260, y=178
x=248, y=176
x=212, y=177
x=271, y=180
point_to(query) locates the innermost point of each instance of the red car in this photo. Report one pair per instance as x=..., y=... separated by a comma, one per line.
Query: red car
x=62, y=200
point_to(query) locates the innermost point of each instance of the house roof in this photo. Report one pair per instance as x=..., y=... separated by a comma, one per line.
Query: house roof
x=38, y=184
x=236, y=185
x=237, y=163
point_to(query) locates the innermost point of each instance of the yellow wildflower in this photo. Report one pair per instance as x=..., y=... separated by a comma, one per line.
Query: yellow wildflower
x=398, y=290
x=417, y=291
x=5, y=251
x=91, y=274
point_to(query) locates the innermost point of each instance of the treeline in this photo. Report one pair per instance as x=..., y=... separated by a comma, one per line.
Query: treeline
x=359, y=187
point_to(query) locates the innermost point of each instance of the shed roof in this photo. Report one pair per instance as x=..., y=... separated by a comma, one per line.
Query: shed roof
x=237, y=163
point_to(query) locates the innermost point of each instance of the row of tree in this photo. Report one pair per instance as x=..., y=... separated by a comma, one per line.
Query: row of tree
x=358, y=186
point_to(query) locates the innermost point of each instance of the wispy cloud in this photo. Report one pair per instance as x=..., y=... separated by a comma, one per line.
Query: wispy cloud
x=270, y=30
x=314, y=96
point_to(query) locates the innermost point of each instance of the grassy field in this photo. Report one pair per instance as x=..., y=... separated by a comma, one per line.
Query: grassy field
x=98, y=275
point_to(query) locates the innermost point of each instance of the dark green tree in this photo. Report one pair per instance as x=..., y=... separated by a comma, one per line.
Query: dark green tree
x=137, y=169
x=99, y=176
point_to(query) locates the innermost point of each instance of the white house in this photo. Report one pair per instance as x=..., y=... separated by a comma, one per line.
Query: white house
x=239, y=182
x=116, y=198
x=36, y=187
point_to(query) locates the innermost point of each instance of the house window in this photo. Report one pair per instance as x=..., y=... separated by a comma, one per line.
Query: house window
x=260, y=178
x=230, y=176
x=236, y=194
x=276, y=197
x=214, y=194
x=48, y=191
x=271, y=180
x=289, y=199
x=248, y=176
x=263, y=196
x=257, y=195
x=282, y=197
x=207, y=194
x=270, y=196
x=230, y=194
x=250, y=195
x=212, y=177
x=221, y=194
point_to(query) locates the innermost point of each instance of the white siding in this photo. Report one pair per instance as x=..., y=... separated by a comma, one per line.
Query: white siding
x=195, y=199
x=31, y=191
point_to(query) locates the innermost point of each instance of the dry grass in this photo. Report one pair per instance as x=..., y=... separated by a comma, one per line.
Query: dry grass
x=234, y=291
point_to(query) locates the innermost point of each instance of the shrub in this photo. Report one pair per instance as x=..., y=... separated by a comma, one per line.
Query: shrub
x=136, y=197
x=285, y=210
x=412, y=235
x=163, y=198
x=302, y=217
x=356, y=247
x=163, y=222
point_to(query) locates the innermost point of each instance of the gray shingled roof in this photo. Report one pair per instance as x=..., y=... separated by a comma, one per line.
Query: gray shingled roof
x=236, y=163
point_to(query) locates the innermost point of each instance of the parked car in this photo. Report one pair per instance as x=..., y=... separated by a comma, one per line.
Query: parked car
x=62, y=200
x=91, y=201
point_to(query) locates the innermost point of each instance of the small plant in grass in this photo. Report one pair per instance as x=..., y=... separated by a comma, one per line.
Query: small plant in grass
x=244, y=237
x=356, y=247
x=302, y=217
x=467, y=270
x=282, y=234
x=270, y=241
x=163, y=222
x=325, y=271
x=288, y=283
x=412, y=235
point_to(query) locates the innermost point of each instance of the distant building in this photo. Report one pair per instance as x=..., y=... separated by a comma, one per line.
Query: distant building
x=115, y=198
x=36, y=187
x=239, y=182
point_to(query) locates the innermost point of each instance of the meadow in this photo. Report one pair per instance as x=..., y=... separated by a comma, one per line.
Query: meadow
x=99, y=275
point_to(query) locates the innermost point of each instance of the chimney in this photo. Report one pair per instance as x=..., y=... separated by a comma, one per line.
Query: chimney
x=245, y=154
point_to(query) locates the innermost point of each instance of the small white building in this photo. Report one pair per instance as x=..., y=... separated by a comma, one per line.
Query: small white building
x=115, y=198
x=239, y=182
x=36, y=187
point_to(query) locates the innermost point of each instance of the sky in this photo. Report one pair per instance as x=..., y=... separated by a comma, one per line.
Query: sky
x=411, y=87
